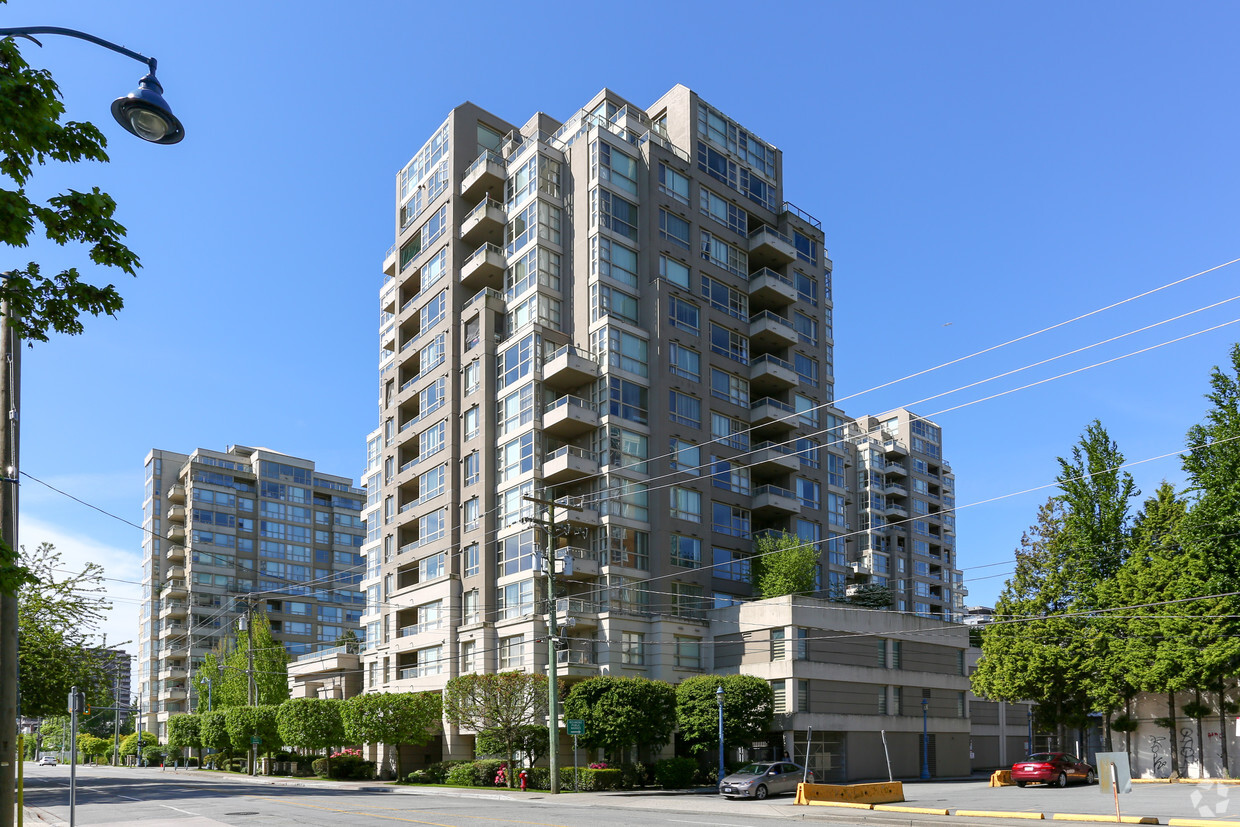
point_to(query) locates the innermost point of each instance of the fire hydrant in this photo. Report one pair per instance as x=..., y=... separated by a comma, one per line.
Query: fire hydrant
x=523, y=779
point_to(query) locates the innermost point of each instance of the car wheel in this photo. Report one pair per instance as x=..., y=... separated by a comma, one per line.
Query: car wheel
x=1021, y=783
x=760, y=793
x=1061, y=781
x=1090, y=778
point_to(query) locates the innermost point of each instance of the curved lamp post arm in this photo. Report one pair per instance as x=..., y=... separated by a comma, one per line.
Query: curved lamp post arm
x=27, y=31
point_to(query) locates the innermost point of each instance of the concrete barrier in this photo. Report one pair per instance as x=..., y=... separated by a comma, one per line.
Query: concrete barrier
x=880, y=793
x=1111, y=819
x=895, y=808
x=1001, y=814
x=1001, y=778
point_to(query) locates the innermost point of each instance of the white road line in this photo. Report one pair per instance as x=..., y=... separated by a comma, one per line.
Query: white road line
x=129, y=797
x=178, y=809
x=682, y=821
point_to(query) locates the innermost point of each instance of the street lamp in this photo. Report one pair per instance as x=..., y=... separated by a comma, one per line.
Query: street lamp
x=719, y=700
x=143, y=112
x=925, y=739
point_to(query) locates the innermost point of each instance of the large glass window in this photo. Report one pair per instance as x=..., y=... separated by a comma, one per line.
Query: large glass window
x=685, y=362
x=676, y=272
x=729, y=564
x=615, y=213
x=516, y=410
x=730, y=475
x=516, y=457
x=684, y=315
x=608, y=301
x=516, y=554
x=731, y=519
x=686, y=504
x=615, y=166
x=620, y=350
x=685, y=409
x=673, y=184
x=539, y=266
x=729, y=343
x=628, y=400
x=724, y=211
x=728, y=299
x=686, y=458
x=729, y=387
x=685, y=551
x=673, y=229
x=725, y=255
x=516, y=361
x=611, y=259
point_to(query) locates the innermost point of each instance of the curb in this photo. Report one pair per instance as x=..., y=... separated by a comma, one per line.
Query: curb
x=1109, y=819
x=1001, y=814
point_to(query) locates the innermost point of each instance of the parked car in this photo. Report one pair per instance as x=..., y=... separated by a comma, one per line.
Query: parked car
x=1057, y=768
x=47, y=761
x=763, y=779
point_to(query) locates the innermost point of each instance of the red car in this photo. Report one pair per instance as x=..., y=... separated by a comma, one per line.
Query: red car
x=1056, y=768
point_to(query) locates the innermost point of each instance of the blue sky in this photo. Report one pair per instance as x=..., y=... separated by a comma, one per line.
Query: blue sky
x=982, y=171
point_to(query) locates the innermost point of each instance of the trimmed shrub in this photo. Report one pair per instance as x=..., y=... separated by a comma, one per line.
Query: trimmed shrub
x=539, y=778
x=675, y=773
x=461, y=775
x=436, y=773
x=635, y=775
x=345, y=766
x=153, y=754
x=597, y=780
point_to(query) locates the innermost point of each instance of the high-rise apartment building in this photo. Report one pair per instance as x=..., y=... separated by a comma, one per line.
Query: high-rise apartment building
x=620, y=312
x=227, y=528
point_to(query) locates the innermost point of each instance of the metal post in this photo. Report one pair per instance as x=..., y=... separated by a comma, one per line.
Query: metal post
x=719, y=700
x=809, y=742
x=925, y=739
x=74, y=703
x=553, y=687
x=116, y=713
x=10, y=406
x=1029, y=750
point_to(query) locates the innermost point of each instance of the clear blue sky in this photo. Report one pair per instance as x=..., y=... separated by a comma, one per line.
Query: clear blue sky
x=982, y=170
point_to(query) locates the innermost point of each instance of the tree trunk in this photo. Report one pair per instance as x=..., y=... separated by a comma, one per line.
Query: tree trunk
x=1222, y=725
x=1106, y=732
x=1128, y=735
x=1201, y=745
x=1175, y=752
x=399, y=773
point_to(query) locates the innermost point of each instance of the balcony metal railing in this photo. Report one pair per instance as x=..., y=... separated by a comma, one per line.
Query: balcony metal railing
x=573, y=657
x=419, y=628
x=482, y=296
x=574, y=605
x=767, y=272
x=486, y=157
x=774, y=490
x=774, y=403
x=482, y=251
x=767, y=315
x=767, y=358
x=771, y=234
x=802, y=214
x=572, y=451
x=421, y=670
x=774, y=447
x=481, y=208
x=572, y=402
x=573, y=350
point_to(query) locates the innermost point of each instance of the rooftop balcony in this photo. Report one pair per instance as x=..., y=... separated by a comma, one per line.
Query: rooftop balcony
x=484, y=268
x=569, y=417
x=768, y=374
x=769, y=247
x=569, y=463
x=569, y=367
x=772, y=500
x=486, y=174
x=768, y=331
x=484, y=223
x=770, y=289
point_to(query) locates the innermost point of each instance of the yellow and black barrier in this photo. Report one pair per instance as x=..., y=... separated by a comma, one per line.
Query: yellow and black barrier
x=851, y=794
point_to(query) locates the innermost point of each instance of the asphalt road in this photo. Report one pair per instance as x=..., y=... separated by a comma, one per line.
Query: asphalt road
x=199, y=799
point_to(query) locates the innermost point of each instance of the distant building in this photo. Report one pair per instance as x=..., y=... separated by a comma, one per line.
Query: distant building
x=978, y=615
x=117, y=671
x=227, y=527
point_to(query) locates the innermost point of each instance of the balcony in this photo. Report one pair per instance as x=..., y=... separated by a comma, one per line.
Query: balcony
x=484, y=268
x=894, y=447
x=894, y=489
x=583, y=612
x=579, y=517
x=174, y=693
x=569, y=367
x=173, y=589
x=419, y=628
x=895, y=469
x=768, y=331
x=769, y=247
x=773, y=458
x=176, y=533
x=172, y=673
x=769, y=288
x=768, y=374
x=484, y=223
x=569, y=417
x=486, y=174
x=773, y=500
x=176, y=553
x=176, y=493
x=176, y=513
x=172, y=608
x=423, y=671
x=175, y=573
x=569, y=463
x=573, y=663
x=584, y=565
x=769, y=411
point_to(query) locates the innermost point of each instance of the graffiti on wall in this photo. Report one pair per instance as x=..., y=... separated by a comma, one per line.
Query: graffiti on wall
x=1158, y=754
x=1188, y=749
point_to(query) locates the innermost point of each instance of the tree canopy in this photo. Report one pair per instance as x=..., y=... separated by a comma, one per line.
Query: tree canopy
x=392, y=718
x=226, y=665
x=502, y=702
x=783, y=564
x=620, y=713
x=748, y=710
x=311, y=723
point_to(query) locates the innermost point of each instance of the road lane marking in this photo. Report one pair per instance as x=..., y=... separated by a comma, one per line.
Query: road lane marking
x=491, y=818
x=178, y=809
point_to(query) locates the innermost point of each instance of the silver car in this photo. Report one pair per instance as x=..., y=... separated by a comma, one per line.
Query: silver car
x=763, y=779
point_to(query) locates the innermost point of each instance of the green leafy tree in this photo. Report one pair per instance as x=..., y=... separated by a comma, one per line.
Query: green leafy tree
x=57, y=618
x=91, y=746
x=532, y=743
x=213, y=732
x=185, y=732
x=620, y=713
x=311, y=723
x=246, y=722
x=748, y=710
x=871, y=596
x=782, y=564
x=129, y=744
x=31, y=135
x=54, y=733
x=226, y=666
x=502, y=703
x=393, y=719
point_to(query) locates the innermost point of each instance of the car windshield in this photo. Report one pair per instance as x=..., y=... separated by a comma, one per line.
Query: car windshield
x=753, y=769
x=1041, y=756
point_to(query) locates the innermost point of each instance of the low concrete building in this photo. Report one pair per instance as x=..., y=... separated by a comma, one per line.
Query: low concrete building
x=330, y=673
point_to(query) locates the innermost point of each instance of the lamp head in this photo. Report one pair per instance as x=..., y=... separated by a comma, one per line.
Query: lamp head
x=719, y=694
x=145, y=113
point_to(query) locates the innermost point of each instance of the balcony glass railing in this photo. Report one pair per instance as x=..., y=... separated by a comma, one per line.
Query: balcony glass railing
x=481, y=209
x=768, y=359
x=772, y=402
x=482, y=252
x=774, y=491
x=574, y=658
x=572, y=350
x=573, y=605
x=421, y=671
x=572, y=451
x=774, y=447
x=768, y=235
x=487, y=157
x=570, y=402
x=768, y=316
x=419, y=628
x=768, y=273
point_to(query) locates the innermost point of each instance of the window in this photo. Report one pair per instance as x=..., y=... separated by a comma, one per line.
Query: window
x=722, y=254
x=433, y=311
x=729, y=343
x=684, y=315
x=688, y=652
x=807, y=410
x=539, y=266
x=731, y=519
x=516, y=410
x=673, y=229
x=473, y=468
x=809, y=452
x=608, y=301
x=469, y=656
x=724, y=211
x=472, y=374
x=516, y=457
x=730, y=432
x=807, y=288
x=731, y=565
x=806, y=368
x=620, y=350
x=515, y=600
x=809, y=493
x=472, y=513
x=625, y=449
x=729, y=388
x=673, y=184
x=624, y=498
x=806, y=328
x=628, y=400
x=686, y=458
x=539, y=220
x=512, y=652
x=686, y=504
x=685, y=551
x=685, y=409
x=632, y=648
x=685, y=362
x=895, y=654
x=615, y=213
x=728, y=299
x=473, y=565
x=516, y=362
x=516, y=554
x=431, y=483
x=730, y=476
x=674, y=271
x=431, y=526
x=613, y=260
x=431, y=440
x=614, y=166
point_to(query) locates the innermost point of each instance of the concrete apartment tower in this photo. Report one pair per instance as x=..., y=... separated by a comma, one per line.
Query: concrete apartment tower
x=620, y=312
x=224, y=527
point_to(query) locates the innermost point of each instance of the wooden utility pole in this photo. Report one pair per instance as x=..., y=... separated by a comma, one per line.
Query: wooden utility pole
x=10, y=405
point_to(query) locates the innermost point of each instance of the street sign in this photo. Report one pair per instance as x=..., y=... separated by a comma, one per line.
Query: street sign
x=576, y=726
x=255, y=740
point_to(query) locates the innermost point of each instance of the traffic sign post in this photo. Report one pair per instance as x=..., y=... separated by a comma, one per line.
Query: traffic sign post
x=77, y=703
x=576, y=726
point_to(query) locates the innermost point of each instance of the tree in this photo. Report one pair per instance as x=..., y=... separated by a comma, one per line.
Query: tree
x=213, y=732
x=54, y=733
x=226, y=666
x=393, y=719
x=129, y=744
x=503, y=703
x=532, y=743
x=246, y=722
x=32, y=133
x=871, y=596
x=311, y=723
x=57, y=616
x=185, y=732
x=91, y=747
x=620, y=713
x=783, y=564
x=748, y=710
